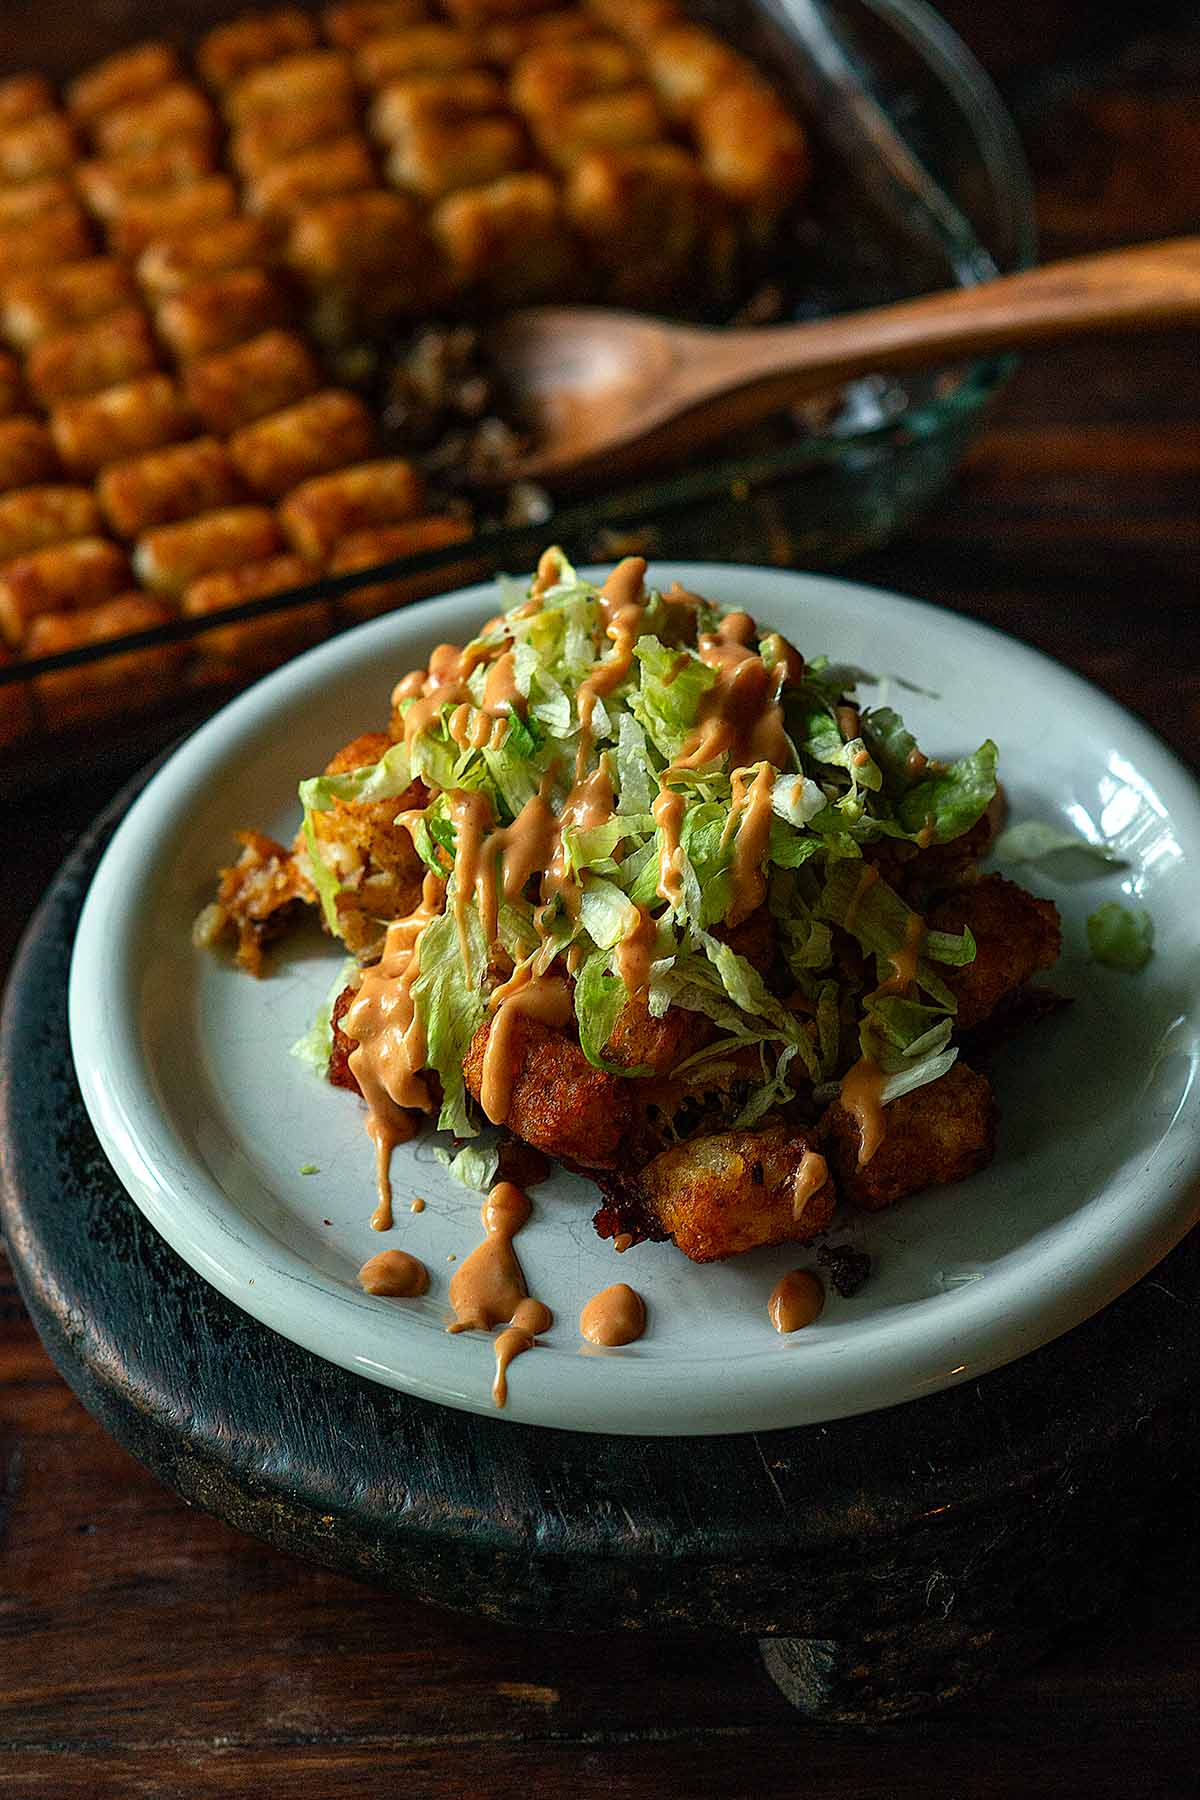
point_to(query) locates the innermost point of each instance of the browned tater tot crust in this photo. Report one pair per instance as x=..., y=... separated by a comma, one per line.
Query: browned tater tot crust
x=127, y=76
x=721, y=1195
x=229, y=52
x=235, y=387
x=170, y=557
x=129, y=681
x=356, y=22
x=60, y=578
x=228, y=651
x=559, y=1103
x=1015, y=935
x=257, y=897
x=108, y=351
x=57, y=300
x=24, y=97
x=33, y=518
x=370, y=854
x=27, y=453
x=938, y=1134
x=126, y=420
x=166, y=485
x=322, y=511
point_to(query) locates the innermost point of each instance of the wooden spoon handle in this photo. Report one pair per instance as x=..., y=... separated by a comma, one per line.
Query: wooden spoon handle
x=1124, y=290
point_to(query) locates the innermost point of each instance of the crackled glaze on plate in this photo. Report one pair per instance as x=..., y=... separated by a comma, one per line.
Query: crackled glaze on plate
x=210, y=1123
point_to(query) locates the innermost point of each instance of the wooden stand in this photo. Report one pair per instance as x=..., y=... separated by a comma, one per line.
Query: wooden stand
x=889, y=1563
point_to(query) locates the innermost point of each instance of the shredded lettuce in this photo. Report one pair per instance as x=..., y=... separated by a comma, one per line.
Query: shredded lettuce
x=954, y=799
x=1121, y=937
x=600, y=995
x=880, y=920
x=920, y=1074
x=850, y=779
x=1034, y=840
x=316, y=1046
x=667, y=701
x=373, y=781
x=324, y=880
x=473, y=1166
x=450, y=1002
x=891, y=744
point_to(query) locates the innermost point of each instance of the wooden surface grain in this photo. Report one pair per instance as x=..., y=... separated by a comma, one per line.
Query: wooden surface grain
x=147, y=1650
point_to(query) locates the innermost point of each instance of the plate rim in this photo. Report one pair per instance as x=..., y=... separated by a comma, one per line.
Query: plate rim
x=188, y=1234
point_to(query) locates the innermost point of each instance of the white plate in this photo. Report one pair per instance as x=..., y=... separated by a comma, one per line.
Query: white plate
x=209, y=1121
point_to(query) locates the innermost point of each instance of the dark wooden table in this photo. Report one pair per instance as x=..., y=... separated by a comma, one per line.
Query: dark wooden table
x=151, y=1651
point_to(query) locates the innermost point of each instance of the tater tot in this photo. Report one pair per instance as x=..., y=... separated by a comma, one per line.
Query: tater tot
x=230, y=51
x=223, y=311
x=471, y=13
x=263, y=142
x=432, y=47
x=643, y=213
x=171, y=557
x=145, y=218
x=16, y=708
x=617, y=121
x=129, y=681
x=30, y=199
x=504, y=42
x=42, y=146
x=356, y=21
x=238, y=386
x=435, y=159
x=177, y=111
x=293, y=82
x=368, y=256
x=45, y=242
x=61, y=578
x=686, y=62
x=319, y=434
x=558, y=1102
x=936, y=1135
x=174, y=264
x=24, y=97
x=552, y=75
x=27, y=453
x=230, y=650
x=1016, y=935
x=12, y=388
x=91, y=357
x=166, y=485
x=128, y=76
x=510, y=236
x=107, y=186
x=405, y=104
x=39, y=306
x=752, y=149
x=326, y=508
x=341, y=166
x=366, y=549
x=720, y=1196
x=34, y=518
x=119, y=422
x=637, y=20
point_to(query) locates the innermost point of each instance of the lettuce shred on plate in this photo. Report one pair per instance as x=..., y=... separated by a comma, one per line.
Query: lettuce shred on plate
x=645, y=885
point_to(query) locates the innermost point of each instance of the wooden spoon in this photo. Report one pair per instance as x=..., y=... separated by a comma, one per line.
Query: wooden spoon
x=605, y=392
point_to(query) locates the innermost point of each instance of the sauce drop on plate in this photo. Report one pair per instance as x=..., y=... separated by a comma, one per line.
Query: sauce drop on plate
x=529, y=1318
x=615, y=1316
x=394, y=1273
x=796, y=1300
x=489, y=1289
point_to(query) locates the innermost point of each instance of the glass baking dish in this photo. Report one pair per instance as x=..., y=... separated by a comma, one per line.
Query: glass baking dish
x=809, y=491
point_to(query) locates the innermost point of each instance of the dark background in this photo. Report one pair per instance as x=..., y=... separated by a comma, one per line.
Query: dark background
x=147, y=1650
